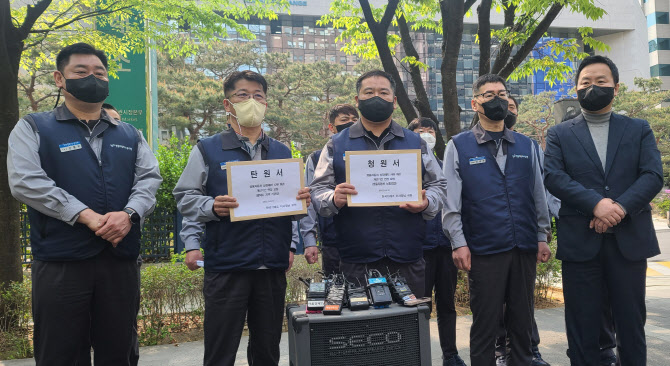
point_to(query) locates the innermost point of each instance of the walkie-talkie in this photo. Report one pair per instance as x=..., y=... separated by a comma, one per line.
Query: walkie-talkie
x=401, y=292
x=378, y=289
x=336, y=295
x=316, y=295
x=358, y=297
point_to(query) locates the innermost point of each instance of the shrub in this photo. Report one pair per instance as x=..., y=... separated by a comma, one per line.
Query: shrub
x=661, y=204
x=15, y=317
x=171, y=300
x=172, y=160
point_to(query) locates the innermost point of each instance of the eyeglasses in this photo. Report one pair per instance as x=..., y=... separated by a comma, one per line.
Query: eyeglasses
x=245, y=96
x=489, y=95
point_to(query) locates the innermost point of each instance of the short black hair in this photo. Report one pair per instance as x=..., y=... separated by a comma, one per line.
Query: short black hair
x=487, y=78
x=597, y=59
x=374, y=73
x=422, y=122
x=340, y=109
x=232, y=79
x=109, y=106
x=516, y=102
x=81, y=48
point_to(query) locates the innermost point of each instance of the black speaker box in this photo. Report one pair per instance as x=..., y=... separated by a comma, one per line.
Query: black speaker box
x=395, y=336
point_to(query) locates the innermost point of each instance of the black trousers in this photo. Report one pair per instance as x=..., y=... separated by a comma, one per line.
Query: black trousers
x=497, y=279
x=625, y=282
x=442, y=276
x=330, y=259
x=92, y=301
x=232, y=297
x=502, y=342
x=413, y=272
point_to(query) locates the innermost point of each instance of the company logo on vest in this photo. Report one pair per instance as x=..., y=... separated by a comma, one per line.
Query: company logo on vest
x=121, y=147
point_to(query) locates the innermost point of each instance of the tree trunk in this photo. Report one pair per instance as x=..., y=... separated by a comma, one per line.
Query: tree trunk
x=11, y=47
x=452, y=29
x=379, y=32
x=421, y=103
x=484, y=34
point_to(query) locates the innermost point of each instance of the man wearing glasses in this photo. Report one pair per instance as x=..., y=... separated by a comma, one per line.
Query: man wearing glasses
x=497, y=220
x=246, y=260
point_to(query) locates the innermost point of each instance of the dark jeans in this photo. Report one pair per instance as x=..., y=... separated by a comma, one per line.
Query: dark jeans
x=330, y=259
x=413, y=272
x=232, y=297
x=624, y=281
x=497, y=279
x=92, y=301
x=442, y=276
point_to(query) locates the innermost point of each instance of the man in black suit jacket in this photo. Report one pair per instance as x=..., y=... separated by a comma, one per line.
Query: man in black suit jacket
x=605, y=168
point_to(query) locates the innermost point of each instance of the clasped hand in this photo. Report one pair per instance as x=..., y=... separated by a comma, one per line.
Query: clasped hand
x=607, y=214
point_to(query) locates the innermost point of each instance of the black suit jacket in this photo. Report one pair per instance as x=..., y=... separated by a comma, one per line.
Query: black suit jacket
x=633, y=175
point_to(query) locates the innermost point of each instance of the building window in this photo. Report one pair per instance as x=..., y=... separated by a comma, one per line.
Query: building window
x=660, y=70
x=662, y=17
x=659, y=44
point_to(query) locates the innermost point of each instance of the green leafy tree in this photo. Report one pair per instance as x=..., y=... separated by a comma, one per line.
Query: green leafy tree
x=366, y=31
x=24, y=27
x=299, y=96
x=536, y=116
x=648, y=103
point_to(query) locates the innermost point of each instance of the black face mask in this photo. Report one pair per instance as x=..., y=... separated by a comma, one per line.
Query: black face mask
x=375, y=109
x=89, y=89
x=595, y=98
x=340, y=128
x=510, y=120
x=496, y=109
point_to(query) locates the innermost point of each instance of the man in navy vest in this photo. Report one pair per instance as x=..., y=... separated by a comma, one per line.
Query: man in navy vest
x=441, y=273
x=384, y=238
x=605, y=168
x=87, y=180
x=340, y=117
x=245, y=261
x=497, y=220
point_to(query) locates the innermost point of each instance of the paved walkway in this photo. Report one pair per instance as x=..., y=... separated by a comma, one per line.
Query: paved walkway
x=550, y=322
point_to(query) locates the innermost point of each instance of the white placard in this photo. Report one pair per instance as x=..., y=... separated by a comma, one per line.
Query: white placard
x=384, y=178
x=265, y=188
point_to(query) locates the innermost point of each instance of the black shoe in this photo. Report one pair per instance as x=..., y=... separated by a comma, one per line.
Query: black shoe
x=501, y=360
x=454, y=360
x=609, y=361
x=538, y=361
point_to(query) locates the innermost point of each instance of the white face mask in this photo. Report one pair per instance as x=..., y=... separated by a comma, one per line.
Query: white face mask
x=429, y=138
x=250, y=113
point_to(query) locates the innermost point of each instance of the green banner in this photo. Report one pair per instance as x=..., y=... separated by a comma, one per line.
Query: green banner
x=133, y=92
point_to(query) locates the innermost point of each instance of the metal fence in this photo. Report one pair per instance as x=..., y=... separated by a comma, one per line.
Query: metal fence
x=160, y=235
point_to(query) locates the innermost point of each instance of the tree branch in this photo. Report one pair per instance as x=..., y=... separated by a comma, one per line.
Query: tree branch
x=528, y=45
x=385, y=23
x=506, y=47
x=484, y=34
x=33, y=13
x=468, y=4
x=80, y=17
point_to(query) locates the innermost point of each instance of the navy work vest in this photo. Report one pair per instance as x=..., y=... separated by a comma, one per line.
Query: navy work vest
x=68, y=159
x=327, y=231
x=368, y=234
x=242, y=245
x=498, y=210
x=434, y=234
